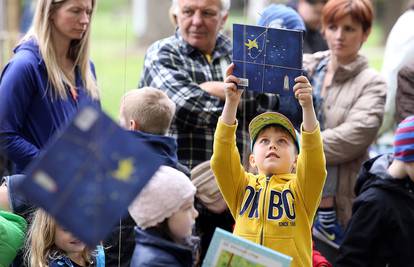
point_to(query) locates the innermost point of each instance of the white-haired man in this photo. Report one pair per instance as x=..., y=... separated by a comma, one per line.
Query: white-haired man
x=190, y=66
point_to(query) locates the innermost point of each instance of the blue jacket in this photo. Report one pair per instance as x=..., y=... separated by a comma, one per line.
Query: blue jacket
x=165, y=146
x=152, y=250
x=61, y=262
x=29, y=115
x=64, y=261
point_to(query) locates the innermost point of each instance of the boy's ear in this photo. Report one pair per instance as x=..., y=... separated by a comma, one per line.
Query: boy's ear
x=294, y=164
x=252, y=161
x=133, y=125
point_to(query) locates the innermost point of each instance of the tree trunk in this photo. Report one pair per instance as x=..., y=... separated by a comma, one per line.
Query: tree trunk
x=9, y=28
x=151, y=21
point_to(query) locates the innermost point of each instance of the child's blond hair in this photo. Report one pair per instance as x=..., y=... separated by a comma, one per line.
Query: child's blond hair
x=151, y=108
x=40, y=242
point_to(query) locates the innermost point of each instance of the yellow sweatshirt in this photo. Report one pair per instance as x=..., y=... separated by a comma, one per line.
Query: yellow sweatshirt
x=275, y=211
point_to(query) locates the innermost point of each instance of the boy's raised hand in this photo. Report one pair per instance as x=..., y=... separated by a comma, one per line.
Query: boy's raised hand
x=233, y=94
x=303, y=91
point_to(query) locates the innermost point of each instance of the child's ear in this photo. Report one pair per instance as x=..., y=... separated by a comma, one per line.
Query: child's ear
x=294, y=164
x=133, y=125
x=252, y=161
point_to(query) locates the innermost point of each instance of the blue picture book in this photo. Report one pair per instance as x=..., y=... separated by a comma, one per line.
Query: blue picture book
x=227, y=249
x=267, y=59
x=89, y=175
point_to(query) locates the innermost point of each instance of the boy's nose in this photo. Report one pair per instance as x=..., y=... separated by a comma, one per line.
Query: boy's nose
x=273, y=146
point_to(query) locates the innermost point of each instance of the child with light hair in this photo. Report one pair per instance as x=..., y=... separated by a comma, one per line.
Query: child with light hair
x=147, y=113
x=49, y=244
x=276, y=207
x=147, y=109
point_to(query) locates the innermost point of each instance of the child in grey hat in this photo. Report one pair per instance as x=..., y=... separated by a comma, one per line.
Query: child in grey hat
x=165, y=214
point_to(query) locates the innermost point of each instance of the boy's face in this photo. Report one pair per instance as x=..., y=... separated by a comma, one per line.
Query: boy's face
x=274, y=152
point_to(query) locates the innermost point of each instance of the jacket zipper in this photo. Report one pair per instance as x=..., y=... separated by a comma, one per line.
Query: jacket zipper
x=263, y=210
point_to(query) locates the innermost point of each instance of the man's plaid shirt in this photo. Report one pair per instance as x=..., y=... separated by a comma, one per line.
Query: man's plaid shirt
x=175, y=67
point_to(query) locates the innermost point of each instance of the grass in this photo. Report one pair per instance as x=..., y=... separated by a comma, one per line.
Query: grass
x=119, y=61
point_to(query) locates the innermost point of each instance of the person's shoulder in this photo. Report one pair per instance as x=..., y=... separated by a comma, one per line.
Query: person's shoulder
x=28, y=50
x=371, y=76
x=168, y=43
x=407, y=70
x=152, y=256
x=163, y=49
x=311, y=61
x=375, y=196
x=224, y=43
x=26, y=58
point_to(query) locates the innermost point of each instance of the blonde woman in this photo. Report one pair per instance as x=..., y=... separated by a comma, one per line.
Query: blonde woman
x=48, y=244
x=48, y=78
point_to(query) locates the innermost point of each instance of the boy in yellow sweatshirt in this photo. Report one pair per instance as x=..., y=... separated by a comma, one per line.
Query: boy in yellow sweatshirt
x=276, y=207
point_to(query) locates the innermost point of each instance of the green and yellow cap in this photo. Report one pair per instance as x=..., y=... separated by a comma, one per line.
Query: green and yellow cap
x=269, y=118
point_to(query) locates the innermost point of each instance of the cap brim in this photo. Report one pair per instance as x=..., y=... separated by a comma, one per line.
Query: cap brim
x=270, y=118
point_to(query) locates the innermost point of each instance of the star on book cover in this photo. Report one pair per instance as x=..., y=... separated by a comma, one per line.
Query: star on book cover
x=89, y=175
x=267, y=59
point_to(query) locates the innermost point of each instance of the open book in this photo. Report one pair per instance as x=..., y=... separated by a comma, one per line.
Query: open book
x=227, y=249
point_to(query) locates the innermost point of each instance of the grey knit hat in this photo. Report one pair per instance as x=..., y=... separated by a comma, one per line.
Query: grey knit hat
x=164, y=195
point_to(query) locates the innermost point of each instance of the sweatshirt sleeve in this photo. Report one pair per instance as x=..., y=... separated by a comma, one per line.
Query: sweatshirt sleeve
x=17, y=85
x=311, y=169
x=225, y=163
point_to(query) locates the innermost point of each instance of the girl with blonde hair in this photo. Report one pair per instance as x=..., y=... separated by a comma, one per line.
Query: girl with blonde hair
x=48, y=244
x=49, y=77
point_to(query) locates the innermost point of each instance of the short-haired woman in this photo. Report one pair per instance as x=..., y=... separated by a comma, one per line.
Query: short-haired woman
x=351, y=98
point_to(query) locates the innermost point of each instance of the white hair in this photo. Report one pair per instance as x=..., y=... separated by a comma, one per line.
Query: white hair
x=225, y=6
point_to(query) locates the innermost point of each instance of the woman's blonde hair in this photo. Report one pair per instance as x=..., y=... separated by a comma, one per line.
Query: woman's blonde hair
x=41, y=30
x=40, y=242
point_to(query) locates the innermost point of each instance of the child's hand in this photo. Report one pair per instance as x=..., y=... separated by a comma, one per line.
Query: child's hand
x=303, y=91
x=233, y=94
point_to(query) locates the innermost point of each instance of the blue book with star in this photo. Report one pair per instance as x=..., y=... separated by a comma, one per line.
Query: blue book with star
x=267, y=59
x=89, y=174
